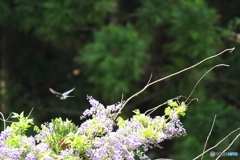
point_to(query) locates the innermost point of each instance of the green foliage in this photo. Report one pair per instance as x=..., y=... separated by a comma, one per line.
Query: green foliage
x=80, y=143
x=154, y=14
x=174, y=106
x=232, y=30
x=116, y=57
x=18, y=130
x=152, y=128
x=58, y=21
x=142, y=119
x=5, y=11
x=22, y=125
x=192, y=23
x=58, y=131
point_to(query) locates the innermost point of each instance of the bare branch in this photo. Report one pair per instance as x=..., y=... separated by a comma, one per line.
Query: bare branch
x=149, y=79
x=219, y=65
x=30, y=112
x=194, y=99
x=171, y=75
x=217, y=143
x=209, y=135
x=4, y=122
x=155, y=108
x=228, y=146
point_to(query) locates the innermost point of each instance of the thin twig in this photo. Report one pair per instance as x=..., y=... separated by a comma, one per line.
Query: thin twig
x=194, y=99
x=217, y=143
x=6, y=120
x=155, y=108
x=231, y=49
x=30, y=112
x=219, y=65
x=171, y=75
x=228, y=146
x=209, y=135
x=4, y=123
x=149, y=79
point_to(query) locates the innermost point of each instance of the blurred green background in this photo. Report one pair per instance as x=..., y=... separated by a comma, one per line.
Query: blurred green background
x=109, y=48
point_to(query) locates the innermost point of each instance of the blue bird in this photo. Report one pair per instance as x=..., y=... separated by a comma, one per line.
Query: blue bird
x=62, y=96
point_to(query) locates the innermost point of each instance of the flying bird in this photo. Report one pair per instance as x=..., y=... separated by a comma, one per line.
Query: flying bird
x=62, y=96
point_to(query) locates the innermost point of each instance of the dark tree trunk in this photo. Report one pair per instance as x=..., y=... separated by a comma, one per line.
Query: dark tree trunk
x=3, y=71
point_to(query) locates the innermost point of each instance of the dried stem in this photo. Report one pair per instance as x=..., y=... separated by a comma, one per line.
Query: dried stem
x=228, y=146
x=171, y=75
x=155, y=108
x=4, y=122
x=219, y=65
x=30, y=112
x=209, y=135
x=217, y=143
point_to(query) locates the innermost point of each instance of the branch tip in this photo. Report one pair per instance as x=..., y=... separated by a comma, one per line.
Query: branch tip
x=232, y=49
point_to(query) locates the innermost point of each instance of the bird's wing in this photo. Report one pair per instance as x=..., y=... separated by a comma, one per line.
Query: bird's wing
x=66, y=93
x=54, y=92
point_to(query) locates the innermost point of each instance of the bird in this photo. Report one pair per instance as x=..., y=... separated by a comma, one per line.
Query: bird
x=62, y=96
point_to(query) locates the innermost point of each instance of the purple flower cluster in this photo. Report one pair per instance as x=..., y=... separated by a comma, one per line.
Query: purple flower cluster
x=98, y=138
x=4, y=135
x=174, y=127
x=5, y=151
x=47, y=129
x=17, y=147
x=96, y=126
x=139, y=131
x=99, y=110
x=101, y=121
x=24, y=146
x=66, y=153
